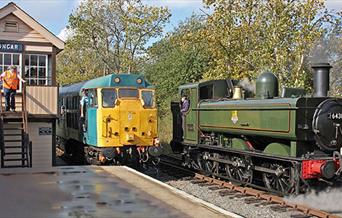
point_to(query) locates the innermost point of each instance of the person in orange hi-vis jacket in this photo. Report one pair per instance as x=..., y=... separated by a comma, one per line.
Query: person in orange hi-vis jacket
x=11, y=80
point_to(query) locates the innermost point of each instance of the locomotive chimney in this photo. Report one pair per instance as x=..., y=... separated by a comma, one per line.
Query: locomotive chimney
x=321, y=79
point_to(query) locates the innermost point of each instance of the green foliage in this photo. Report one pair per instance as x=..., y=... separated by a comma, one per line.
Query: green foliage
x=108, y=36
x=170, y=64
x=249, y=36
x=329, y=49
x=165, y=130
x=118, y=30
x=78, y=63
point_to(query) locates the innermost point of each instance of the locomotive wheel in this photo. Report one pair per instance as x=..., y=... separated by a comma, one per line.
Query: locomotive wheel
x=208, y=166
x=280, y=181
x=200, y=162
x=240, y=170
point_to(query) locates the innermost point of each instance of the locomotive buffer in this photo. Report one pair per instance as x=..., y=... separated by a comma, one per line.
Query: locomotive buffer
x=15, y=146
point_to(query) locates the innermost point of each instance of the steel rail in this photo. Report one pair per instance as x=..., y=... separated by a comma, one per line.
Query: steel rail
x=249, y=191
x=261, y=195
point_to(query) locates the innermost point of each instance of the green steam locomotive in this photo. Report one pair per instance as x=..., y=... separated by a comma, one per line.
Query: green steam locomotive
x=281, y=143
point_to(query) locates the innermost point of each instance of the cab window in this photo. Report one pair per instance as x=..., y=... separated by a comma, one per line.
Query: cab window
x=185, y=92
x=128, y=93
x=148, y=98
x=92, y=95
x=108, y=97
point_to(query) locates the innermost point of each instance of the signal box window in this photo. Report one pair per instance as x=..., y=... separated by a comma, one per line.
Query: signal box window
x=108, y=97
x=147, y=97
x=128, y=93
x=8, y=59
x=37, y=71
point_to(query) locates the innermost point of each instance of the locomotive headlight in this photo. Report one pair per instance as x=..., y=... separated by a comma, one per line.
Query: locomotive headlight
x=139, y=81
x=117, y=79
x=156, y=142
x=142, y=102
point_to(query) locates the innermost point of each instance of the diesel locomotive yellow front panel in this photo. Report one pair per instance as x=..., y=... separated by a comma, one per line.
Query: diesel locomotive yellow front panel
x=127, y=123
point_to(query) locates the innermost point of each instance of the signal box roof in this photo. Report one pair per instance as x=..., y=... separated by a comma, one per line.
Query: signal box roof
x=12, y=8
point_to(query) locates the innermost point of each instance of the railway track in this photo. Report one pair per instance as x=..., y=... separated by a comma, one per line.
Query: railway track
x=250, y=195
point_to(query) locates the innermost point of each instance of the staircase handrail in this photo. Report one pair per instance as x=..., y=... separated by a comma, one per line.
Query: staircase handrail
x=27, y=144
x=2, y=143
x=24, y=109
x=0, y=102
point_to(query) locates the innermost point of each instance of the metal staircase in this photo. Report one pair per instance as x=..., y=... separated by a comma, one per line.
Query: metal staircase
x=16, y=148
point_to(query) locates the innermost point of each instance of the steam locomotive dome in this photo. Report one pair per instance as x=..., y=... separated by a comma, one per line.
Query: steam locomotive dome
x=327, y=125
x=267, y=85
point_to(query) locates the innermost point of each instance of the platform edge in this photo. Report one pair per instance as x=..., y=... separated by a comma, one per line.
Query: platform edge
x=184, y=194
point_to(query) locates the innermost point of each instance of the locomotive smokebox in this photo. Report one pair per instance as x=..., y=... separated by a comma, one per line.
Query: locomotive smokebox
x=321, y=79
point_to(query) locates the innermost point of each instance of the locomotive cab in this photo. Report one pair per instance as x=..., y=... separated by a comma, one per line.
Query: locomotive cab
x=196, y=92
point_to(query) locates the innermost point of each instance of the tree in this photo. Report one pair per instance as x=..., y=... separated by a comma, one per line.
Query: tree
x=78, y=62
x=118, y=30
x=249, y=36
x=174, y=61
x=328, y=48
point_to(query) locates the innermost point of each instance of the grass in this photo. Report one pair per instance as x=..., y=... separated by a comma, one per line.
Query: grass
x=165, y=132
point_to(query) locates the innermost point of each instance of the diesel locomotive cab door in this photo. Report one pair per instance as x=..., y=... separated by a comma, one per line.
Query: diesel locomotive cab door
x=91, y=118
x=190, y=121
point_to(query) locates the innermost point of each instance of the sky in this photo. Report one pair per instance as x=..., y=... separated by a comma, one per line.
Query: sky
x=54, y=14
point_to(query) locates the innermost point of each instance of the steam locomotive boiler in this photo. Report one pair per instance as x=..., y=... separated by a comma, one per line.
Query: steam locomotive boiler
x=282, y=143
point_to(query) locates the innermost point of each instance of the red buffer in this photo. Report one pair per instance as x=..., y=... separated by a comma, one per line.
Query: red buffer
x=319, y=168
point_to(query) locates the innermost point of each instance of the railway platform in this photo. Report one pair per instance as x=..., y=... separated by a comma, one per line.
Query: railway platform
x=93, y=191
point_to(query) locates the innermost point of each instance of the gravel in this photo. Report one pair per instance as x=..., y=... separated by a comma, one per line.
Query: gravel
x=328, y=200
x=232, y=203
